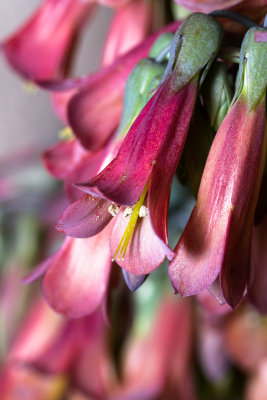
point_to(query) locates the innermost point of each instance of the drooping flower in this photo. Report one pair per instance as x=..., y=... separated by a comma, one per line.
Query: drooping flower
x=41, y=48
x=148, y=157
x=90, y=214
x=218, y=237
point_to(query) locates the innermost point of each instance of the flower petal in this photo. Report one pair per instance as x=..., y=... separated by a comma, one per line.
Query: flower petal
x=94, y=115
x=39, y=49
x=126, y=31
x=218, y=234
x=61, y=158
x=124, y=179
x=144, y=253
x=85, y=218
x=164, y=169
x=75, y=283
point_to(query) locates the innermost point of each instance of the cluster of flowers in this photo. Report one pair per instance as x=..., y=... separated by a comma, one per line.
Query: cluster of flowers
x=183, y=102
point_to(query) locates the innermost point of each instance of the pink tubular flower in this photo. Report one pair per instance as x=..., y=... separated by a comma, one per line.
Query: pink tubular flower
x=148, y=157
x=218, y=237
x=40, y=49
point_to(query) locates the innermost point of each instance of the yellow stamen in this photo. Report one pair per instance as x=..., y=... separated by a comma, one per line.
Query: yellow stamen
x=123, y=245
x=66, y=133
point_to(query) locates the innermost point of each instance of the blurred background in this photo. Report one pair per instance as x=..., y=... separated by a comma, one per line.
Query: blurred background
x=26, y=117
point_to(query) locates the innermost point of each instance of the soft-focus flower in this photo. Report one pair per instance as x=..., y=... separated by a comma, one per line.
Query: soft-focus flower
x=218, y=237
x=126, y=31
x=42, y=47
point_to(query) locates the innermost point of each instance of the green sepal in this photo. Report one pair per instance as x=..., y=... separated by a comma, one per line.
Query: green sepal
x=137, y=91
x=198, y=40
x=252, y=74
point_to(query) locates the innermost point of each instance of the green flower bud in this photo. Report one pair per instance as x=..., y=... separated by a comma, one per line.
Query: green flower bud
x=161, y=47
x=138, y=91
x=216, y=93
x=195, y=154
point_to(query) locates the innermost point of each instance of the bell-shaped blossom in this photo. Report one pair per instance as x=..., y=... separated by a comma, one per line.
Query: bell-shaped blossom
x=41, y=48
x=218, y=237
x=148, y=157
x=90, y=214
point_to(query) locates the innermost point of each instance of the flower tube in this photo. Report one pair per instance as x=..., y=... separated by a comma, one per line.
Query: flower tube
x=218, y=237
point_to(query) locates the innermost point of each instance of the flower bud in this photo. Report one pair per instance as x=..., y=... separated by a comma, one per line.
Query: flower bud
x=217, y=94
x=162, y=43
x=137, y=90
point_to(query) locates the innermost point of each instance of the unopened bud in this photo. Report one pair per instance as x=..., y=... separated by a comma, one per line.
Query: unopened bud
x=217, y=94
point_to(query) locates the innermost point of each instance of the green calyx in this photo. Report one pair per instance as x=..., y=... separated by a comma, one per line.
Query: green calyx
x=194, y=48
x=252, y=74
x=143, y=79
x=216, y=92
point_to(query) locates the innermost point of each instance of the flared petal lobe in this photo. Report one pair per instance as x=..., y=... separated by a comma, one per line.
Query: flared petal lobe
x=144, y=252
x=85, y=218
x=76, y=280
x=219, y=232
x=39, y=49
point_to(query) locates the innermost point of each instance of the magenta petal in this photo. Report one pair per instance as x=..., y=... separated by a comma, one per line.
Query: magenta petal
x=61, y=158
x=75, y=283
x=144, y=253
x=126, y=31
x=95, y=111
x=39, y=49
x=145, y=145
x=85, y=218
x=217, y=237
x=165, y=167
